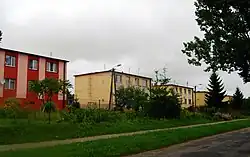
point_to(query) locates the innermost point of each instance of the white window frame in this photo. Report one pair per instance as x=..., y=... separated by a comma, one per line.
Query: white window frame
x=118, y=79
x=145, y=83
x=8, y=82
x=12, y=61
x=137, y=81
x=54, y=67
x=34, y=64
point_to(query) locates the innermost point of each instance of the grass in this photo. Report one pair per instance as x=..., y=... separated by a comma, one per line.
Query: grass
x=23, y=132
x=128, y=144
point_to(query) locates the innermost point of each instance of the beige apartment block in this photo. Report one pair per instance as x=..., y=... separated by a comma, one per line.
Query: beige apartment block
x=185, y=94
x=94, y=88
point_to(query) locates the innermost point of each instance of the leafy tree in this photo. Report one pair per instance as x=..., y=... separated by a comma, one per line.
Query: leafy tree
x=238, y=99
x=1, y=36
x=246, y=106
x=216, y=92
x=38, y=87
x=46, y=89
x=163, y=103
x=226, y=42
x=131, y=97
x=161, y=77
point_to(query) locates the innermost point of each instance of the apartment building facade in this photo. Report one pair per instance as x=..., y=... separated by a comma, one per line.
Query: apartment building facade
x=92, y=88
x=18, y=69
x=201, y=97
x=185, y=94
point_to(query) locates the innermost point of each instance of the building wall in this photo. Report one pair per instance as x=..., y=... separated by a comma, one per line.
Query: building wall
x=2, y=61
x=200, y=98
x=22, y=74
x=89, y=89
x=185, y=93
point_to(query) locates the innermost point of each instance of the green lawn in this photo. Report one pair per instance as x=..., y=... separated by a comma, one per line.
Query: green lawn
x=128, y=145
x=22, y=132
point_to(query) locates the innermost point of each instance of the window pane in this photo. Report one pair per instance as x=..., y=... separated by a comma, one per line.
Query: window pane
x=6, y=84
x=13, y=61
x=12, y=84
x=8, y=60
x=48, y=66
x=35, y=63
x=30, y=64
x=54, y=67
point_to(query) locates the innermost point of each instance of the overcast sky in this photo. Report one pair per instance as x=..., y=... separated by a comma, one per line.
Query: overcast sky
x=142, y=35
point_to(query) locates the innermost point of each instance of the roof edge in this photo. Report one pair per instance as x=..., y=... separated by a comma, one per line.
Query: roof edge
x=28, y=53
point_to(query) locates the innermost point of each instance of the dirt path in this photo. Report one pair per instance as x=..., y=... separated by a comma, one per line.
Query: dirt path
x=84, y=139
x=232, y=144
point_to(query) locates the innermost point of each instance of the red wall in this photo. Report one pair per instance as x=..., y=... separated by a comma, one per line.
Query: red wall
x=33, y=75
x=11, y=72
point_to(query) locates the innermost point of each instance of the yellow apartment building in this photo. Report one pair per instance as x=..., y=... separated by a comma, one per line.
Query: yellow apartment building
x=201, y=95
x=185, y=93
x=92, y=88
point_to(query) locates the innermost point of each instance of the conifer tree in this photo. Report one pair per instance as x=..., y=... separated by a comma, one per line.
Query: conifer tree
x=216, y=92
x=238, y=98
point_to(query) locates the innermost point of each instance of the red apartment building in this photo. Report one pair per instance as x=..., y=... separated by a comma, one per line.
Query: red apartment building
x=17, y=69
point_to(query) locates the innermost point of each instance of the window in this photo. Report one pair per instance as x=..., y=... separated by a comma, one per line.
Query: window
x=33, y=64
x=137, y=81
x=29, y=84
x=51, y=67
x=185, y=101
x=118, y=78
x=9, y=83
x=145, y=83
x=189, y=91
x=10, y=61
x=189, y=101
x=128, y=81
x=180, y=89
x=185, y=91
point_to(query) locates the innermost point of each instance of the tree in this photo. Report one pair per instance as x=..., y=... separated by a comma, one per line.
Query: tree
x=1, y=36
x=46, y=89
x=38, y=87
x=226, y=42
x=216, y=92
x=237, y=100
x=163, y=103
x=161, y=77
x=131, y=97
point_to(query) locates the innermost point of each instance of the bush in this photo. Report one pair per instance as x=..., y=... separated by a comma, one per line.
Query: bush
x=130, y=98
x=12, y=109
x=186, y=114
x=92, y=115
x=222, y=116
x=163, y=104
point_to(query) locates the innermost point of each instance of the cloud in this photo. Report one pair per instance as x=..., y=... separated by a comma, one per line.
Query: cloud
x=143, y=35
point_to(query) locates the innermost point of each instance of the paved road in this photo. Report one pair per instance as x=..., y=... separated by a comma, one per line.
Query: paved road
x=234, y=144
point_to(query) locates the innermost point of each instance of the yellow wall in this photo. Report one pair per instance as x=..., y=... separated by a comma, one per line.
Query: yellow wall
x=91, y=88
x=185, y=93
x=200, y=98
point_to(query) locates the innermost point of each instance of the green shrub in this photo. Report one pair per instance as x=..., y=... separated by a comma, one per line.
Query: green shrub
x=163, y=104
x=91, y=115
x=130, y=98
x=13, y=110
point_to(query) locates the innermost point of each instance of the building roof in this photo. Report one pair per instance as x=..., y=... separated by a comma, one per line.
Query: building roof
x=176, y=85
x=105, y=71
x=27, y=53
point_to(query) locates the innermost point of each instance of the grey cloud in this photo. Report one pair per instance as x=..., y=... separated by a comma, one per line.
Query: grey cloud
x=145, y=34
